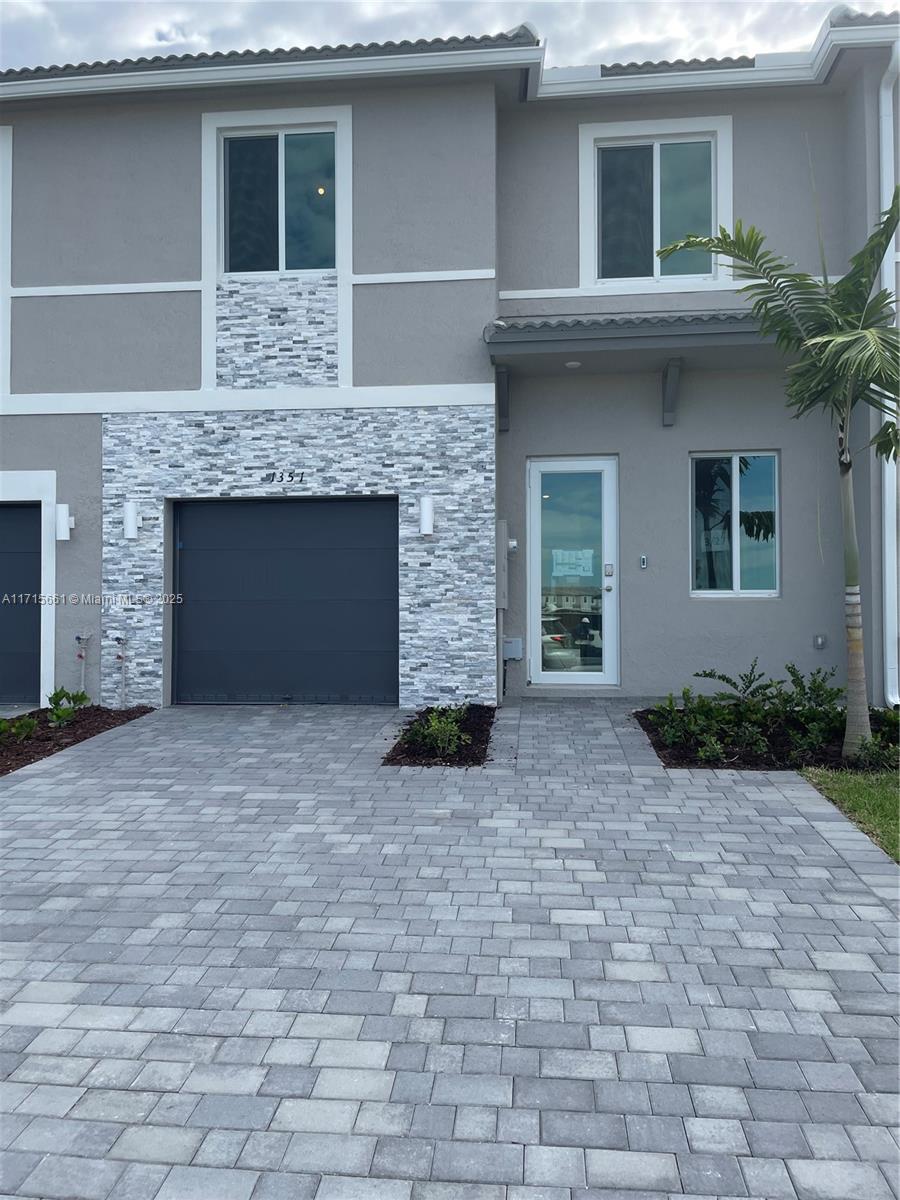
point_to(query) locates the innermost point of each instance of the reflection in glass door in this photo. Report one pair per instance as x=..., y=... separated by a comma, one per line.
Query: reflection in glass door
x=573, y=571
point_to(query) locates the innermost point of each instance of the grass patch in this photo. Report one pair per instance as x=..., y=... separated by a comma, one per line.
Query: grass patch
x=869, y=799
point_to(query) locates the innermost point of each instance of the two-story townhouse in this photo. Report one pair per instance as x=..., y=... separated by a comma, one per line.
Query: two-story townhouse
x=351, y=374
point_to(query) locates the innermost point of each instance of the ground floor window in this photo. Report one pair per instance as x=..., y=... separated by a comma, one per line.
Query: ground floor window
x=734, y=524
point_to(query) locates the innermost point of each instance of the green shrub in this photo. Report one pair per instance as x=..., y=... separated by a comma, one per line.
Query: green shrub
x=18, y=729
x=64, y=705
x=756, y=718
x=437, y=732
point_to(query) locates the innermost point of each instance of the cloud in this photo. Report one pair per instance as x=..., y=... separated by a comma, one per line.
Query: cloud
x=43, y=32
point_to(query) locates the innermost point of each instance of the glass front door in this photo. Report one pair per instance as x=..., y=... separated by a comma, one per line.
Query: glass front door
x=573, y=571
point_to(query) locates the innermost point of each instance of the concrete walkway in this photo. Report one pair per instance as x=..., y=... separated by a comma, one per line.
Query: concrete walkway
x=244, y=961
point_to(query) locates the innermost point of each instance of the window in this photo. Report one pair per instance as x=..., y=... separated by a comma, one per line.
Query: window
x=646, y=184
x=734, y=524
x=279, y=202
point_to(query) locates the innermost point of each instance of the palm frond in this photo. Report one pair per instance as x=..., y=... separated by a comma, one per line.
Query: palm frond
x=872, y=354
x=791, y=305
x=853, y=290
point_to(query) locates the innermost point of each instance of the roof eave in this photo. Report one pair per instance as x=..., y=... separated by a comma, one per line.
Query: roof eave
x=808, y=68
x=453, y=61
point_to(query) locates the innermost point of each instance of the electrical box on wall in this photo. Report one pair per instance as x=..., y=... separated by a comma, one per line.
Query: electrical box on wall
x=512, y=648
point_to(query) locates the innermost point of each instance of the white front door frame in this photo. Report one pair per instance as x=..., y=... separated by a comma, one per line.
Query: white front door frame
x=30, y=487
x=607, y=466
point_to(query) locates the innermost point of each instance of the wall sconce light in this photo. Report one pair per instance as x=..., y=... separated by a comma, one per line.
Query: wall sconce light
x=64, y=523
x=426, y=515
x=131, y=519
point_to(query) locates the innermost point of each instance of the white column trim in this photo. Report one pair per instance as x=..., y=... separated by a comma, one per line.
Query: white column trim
x=40, y=486
x=6, y=143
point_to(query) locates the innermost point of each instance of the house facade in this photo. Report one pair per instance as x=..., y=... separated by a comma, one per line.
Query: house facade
x=351, y=375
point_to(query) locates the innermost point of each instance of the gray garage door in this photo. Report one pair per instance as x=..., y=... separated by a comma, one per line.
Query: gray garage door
x=286, y=601
x=20, y=621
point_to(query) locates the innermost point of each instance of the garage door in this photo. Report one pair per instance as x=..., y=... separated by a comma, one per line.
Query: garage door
x=20, y=623
x=286, y=601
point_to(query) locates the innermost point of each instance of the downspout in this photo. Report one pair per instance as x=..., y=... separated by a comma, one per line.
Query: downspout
x=891, y=600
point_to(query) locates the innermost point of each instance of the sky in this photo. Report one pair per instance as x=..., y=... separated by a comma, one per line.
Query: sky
x=45, y=32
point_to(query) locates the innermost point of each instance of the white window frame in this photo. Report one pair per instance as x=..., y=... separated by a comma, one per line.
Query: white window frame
x=735, y=593
x=215, y=126
x=593, y=137
x=281, y=270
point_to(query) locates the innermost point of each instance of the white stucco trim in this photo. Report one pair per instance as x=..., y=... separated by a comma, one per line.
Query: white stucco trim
x=6, y=136
x=105, y=289
x=214, y=126
x=590, y=136
x=40, y=487
x=423, y=276
x=429, y=395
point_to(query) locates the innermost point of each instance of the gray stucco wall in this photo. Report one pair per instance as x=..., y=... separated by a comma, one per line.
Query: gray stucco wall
x=537, y=174
x=447, y=614
x=108, y=191
x=71, y=447
x=422, y=332
x=666, y=634
x=138, y=342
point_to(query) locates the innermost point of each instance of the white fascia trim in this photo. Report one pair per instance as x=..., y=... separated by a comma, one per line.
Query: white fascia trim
x=6, y=140
x=250, y=73
x=429, y=395
x=609, y=132
x=105, y=289
x=214, y=125
x=40, y=487
x=769, y=70
x=423, y=276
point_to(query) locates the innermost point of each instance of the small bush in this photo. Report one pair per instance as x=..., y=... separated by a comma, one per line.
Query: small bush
x=794, y=722
x=437, y=732
x=18, y=729
x=64, y=705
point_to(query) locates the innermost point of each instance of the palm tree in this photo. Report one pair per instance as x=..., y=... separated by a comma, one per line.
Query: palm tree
x=846, y=350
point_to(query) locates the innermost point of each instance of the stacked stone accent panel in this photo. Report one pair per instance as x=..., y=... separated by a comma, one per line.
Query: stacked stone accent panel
x=277, y=332
x=447, y=590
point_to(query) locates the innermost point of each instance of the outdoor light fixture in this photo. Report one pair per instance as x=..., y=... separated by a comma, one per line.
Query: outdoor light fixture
x=64, y=523
x=573, y=365
x=426, y=515
x=131, y=519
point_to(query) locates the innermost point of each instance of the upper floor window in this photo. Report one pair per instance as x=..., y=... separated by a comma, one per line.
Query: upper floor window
x=644, y=185
x=279, y=202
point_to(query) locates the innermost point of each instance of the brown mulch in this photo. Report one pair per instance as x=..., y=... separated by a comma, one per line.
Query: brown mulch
x=47, y=739
x=780, y=755
x=477, y=723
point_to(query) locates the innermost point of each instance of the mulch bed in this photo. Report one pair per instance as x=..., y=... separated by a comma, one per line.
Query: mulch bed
x=477, y=724
x=778, y=757
x=47, y=739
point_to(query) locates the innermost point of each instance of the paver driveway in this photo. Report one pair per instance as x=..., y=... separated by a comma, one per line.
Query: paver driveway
x=244, y=960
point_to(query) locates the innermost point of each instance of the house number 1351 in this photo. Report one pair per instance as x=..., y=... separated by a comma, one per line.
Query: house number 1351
x=283, y=477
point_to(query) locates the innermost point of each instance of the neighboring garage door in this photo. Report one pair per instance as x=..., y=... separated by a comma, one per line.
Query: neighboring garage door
x=286, y=601
x=20, y=623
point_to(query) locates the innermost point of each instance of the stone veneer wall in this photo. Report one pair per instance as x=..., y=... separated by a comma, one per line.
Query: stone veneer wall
x=447, y=589
x=277, y=332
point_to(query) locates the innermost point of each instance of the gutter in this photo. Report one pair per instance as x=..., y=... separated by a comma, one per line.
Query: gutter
x=889, y=496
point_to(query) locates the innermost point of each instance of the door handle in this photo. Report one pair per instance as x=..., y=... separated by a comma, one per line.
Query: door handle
x=608, y=588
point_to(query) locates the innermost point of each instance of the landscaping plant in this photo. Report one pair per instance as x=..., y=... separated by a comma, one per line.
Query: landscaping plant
x=64, y=705
x=846, y=348
x=19, y=729
x=756, y=719
x=438, y=731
